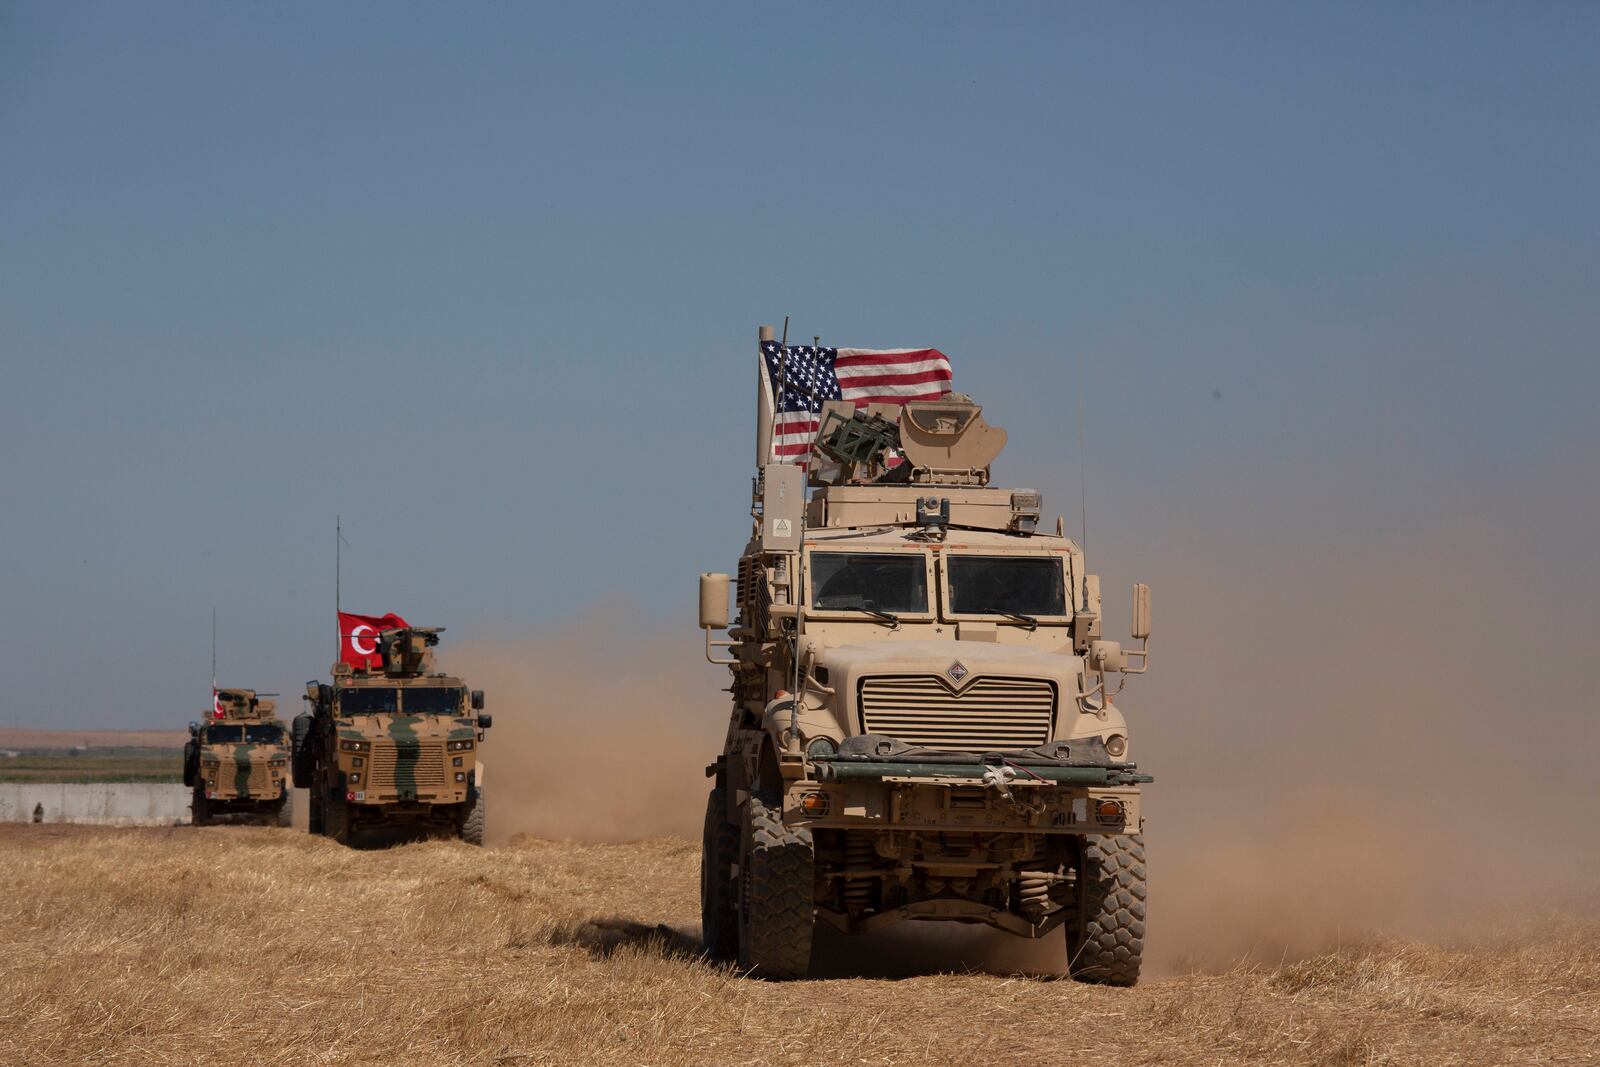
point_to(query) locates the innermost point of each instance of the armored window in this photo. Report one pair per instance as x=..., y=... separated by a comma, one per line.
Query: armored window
x=869, y=581
x=368, y=701
x=263, y=733
x=1006, y=585
x=224, y=735
x=438, y=700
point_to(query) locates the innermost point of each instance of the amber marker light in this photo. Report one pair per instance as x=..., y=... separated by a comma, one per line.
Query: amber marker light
x=814, y=805
x=1108, y=810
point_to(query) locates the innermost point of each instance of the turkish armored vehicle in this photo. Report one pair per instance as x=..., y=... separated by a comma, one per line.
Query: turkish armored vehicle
x=237, y=762
x=922, y=728
x=393, y=747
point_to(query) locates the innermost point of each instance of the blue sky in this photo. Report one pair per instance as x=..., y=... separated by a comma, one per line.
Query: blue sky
x=485, y=280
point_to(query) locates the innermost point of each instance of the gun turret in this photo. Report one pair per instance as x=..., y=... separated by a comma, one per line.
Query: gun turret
x=938, y=442
x=241, y=705
x=408, y=651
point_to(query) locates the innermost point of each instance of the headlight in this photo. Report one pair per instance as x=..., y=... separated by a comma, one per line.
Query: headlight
x=821, y=747
x=460, y=746
x=354, y=746
x=1116, y=745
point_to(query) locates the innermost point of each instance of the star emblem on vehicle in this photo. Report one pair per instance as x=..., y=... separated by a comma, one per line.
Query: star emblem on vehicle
x=957, y=671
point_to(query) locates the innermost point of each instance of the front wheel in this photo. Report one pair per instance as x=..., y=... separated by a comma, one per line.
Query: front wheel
x=1105, y=943
x=719, y=892
x=336, y=819
x=200, y=808
x=472, y=824
x=285, y=812
x=777, y=902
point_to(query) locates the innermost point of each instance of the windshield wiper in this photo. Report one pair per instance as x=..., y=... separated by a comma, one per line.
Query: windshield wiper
x=883, y=616
x=1015, y=616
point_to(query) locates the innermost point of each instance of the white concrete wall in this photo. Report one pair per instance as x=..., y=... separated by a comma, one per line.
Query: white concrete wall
x=101, y=803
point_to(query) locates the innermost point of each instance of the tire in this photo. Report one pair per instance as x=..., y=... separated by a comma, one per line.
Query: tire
x=285, y=812
x=314, y=811
x=191, y=763
x=301, y=767
x=200, y=808
x=1106, y=942
x=472, y=825
x=336, y=819
x=776, y=895
x=719, y=893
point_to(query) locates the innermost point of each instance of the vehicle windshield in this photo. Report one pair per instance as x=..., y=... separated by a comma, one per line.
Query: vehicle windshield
x=869, y=581
x=256, y=733
x=368, y=701
x=1006, y=585
x=440, y=700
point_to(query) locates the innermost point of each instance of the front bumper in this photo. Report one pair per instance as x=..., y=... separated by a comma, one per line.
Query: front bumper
x=918, y=789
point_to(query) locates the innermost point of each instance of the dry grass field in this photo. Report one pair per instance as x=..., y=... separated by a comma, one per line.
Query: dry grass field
x=253, y=946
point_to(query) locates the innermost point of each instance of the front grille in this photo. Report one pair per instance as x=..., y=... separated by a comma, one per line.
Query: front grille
x=989, y=713
x=392, y=765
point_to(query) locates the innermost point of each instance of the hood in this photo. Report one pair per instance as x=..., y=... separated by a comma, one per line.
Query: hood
x=407, y=729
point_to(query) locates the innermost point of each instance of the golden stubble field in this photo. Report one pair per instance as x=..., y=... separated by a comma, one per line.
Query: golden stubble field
x=250, y=946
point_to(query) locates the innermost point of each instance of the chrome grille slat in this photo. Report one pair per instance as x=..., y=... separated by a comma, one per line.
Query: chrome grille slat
x=985, y=713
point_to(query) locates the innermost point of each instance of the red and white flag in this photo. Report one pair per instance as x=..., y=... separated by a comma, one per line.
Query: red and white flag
x=217, y=711
x=358, y=637
x=810, y=375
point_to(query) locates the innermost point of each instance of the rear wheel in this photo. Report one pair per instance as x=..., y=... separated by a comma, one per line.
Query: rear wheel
x=1106, y=941
x=719, y=900
x=200, y=808
x=472, y=825
x=776, y=896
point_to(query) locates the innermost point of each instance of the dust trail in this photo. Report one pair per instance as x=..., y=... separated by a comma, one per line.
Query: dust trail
x=602, y=728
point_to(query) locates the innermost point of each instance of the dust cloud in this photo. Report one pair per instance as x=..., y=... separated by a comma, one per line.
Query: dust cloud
x=1347, y=741
x=602, y=728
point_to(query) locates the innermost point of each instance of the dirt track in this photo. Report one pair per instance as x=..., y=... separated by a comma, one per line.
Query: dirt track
x=254, y=946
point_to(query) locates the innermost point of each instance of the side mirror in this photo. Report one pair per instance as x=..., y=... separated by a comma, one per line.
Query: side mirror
x=194, y=729
x=325, y=695
x=477, y=700
x=1107, y=657
x=1141, y=611
x=313, y=688
x=485, y=721
x=714, y=601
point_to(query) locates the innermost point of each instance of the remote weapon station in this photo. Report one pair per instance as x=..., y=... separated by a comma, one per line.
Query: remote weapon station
x=923, y=725
x=237, y=761
x=394, y=747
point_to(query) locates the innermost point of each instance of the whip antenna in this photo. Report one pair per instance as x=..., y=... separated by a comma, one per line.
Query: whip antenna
x=1083, y=481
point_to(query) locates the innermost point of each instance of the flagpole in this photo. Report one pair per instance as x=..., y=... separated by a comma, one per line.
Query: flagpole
x=213, y=653
x=338, y=562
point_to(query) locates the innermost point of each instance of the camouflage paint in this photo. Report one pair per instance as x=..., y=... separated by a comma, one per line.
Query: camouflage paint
x=241, y=768
x=408, y=749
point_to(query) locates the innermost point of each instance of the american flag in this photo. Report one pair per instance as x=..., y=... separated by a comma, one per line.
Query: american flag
x=864, y=376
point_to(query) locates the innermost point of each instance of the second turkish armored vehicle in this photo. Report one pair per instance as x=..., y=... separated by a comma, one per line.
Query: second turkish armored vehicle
x=393, y=747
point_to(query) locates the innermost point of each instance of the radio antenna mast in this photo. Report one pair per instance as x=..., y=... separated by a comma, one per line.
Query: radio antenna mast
x=1083, y=479
x=213, y=651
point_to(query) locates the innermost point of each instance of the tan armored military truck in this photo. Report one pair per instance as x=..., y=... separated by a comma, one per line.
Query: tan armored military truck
x=237, y=762
x=923, y=726
x=393, y=748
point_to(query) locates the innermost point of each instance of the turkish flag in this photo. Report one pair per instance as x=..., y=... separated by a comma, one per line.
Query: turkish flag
x=358, y=638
